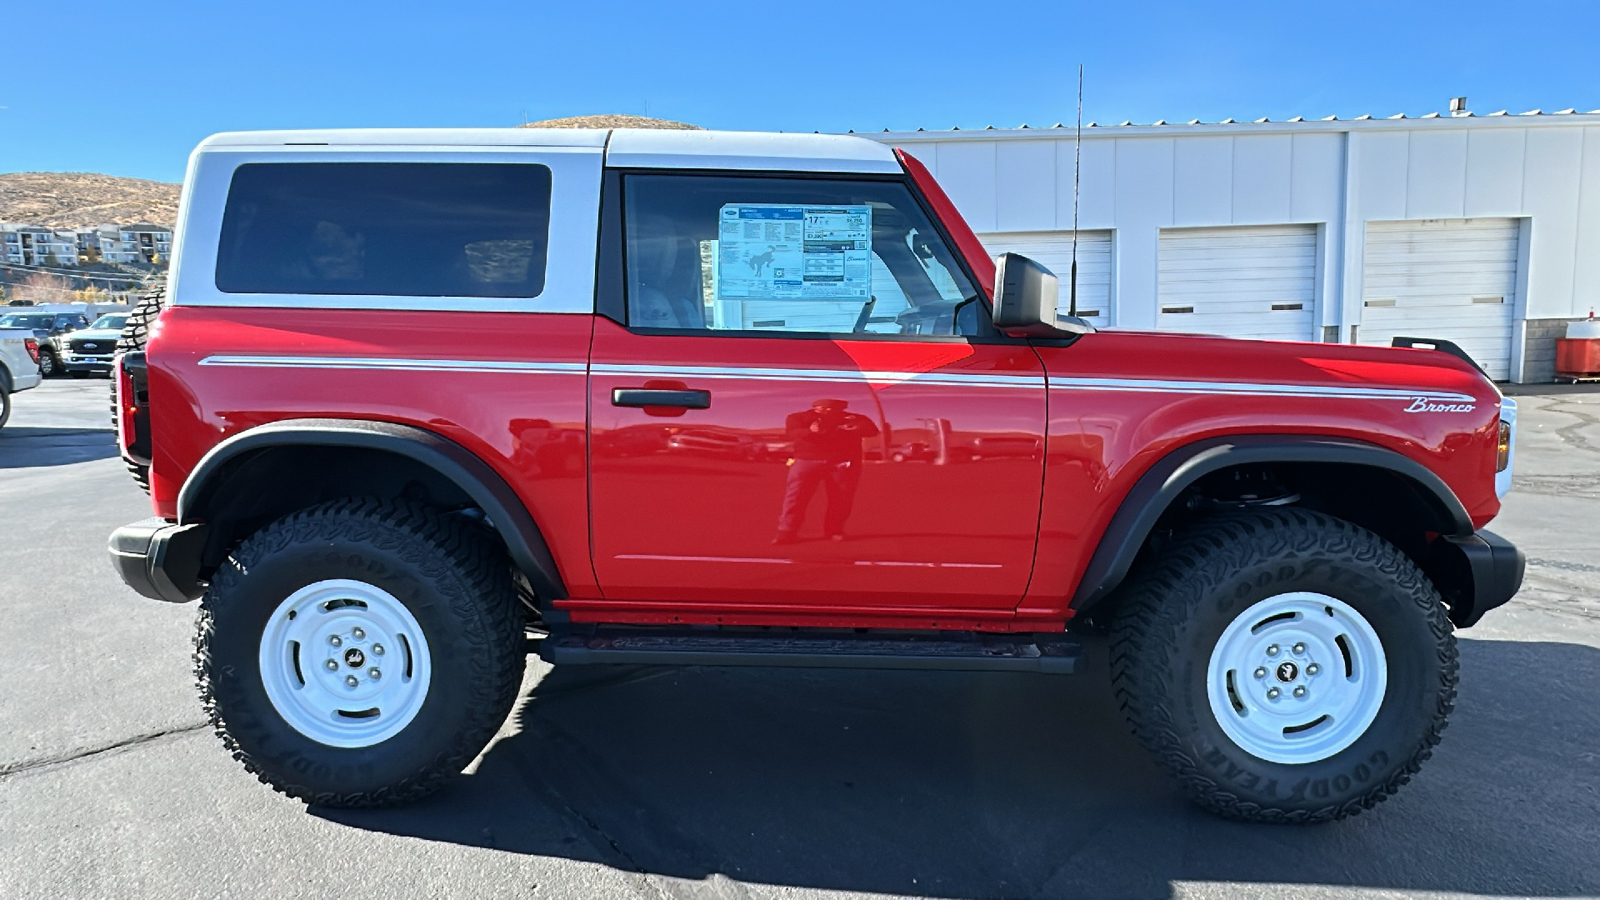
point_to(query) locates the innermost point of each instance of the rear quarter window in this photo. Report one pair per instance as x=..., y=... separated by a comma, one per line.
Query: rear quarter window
x=386, y=229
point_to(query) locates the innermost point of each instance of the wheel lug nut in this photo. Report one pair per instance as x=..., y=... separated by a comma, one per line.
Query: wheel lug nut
x=1298, y=648
x=377, y=649
x=1261, y=671
x=1313, y=669
x=1272, y=693
x=1272, y=650
x=374, y=673
x=358, y=634
x=1300, y=692
x=351, y=680
x=333, y=640
x=332, y=664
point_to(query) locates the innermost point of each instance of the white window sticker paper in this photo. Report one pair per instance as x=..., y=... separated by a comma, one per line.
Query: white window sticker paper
x=773, y=251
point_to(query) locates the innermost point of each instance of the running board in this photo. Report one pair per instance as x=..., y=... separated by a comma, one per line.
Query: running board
x=958, y=651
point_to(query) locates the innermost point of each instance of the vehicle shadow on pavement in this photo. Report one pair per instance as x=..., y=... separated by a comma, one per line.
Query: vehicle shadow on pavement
x=985, y=785
x=24, y=447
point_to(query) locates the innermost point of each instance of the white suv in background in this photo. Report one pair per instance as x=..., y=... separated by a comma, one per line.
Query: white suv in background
x=94, y=348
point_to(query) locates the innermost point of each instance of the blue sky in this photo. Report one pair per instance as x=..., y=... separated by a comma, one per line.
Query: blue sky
x=132, y=94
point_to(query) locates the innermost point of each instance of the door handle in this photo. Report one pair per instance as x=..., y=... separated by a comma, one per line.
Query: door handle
x=658, y=397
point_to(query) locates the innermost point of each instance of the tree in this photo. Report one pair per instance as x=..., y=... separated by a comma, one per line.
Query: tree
x=42, y=287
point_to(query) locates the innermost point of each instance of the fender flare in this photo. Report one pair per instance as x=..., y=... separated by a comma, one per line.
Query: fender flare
x=1164, y=481
x=490, y=492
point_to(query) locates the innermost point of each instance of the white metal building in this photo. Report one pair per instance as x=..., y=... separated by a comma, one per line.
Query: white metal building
x=1484, y=230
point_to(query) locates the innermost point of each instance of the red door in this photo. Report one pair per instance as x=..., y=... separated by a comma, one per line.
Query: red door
x=856, y=474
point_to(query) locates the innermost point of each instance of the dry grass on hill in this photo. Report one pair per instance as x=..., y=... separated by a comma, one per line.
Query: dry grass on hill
x=81, y=199
x=613, y=121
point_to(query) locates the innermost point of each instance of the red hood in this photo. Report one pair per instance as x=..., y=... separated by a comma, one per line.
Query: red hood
x=1301, y=362
x=1151, y=391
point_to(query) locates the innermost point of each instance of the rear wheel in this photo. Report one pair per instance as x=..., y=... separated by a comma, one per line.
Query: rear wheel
x=135, y=332
x=5, y=404
x=360, y=652
x=1285, y=666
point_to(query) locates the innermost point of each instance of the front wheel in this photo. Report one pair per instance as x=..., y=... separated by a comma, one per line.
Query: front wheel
x=49, y=366
x=1285, y=666
x=360, y=652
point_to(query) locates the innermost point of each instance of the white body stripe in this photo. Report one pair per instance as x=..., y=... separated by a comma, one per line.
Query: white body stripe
x=963, y=379
x=392, y=363
x=937, y=377
x=1341, y=392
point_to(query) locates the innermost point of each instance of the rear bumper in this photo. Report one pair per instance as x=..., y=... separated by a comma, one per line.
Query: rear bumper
x=23, y=381
x=160, y=559
x=1487, y=572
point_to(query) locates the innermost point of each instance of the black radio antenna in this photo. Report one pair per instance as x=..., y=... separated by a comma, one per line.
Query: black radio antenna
x=1077, y=145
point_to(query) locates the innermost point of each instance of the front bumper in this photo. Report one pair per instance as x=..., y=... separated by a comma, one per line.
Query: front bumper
x=73, y=363
x=1486, y=572
x=160, y=559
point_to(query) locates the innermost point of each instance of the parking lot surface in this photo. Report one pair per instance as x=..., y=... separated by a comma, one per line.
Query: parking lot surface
x=638, y=782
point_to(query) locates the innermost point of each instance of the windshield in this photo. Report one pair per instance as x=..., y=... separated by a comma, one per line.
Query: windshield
x=20, y=321
x=110, y=323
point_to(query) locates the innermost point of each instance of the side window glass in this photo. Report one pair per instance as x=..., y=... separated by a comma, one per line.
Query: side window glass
x=722, y=253
x=386, y=229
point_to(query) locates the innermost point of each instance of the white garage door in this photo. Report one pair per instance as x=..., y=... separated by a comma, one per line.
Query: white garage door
x=1053, y=250
x=1249, y=282
x=1454, y=279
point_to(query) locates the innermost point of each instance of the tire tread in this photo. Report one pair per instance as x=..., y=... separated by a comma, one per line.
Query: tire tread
x=485, y=604
x=1156, y=603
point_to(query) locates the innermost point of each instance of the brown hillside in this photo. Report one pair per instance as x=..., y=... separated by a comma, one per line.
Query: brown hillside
x=81, y=199
x=613, y=121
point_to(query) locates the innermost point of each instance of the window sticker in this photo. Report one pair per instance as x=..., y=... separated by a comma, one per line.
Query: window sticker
x=775, y=251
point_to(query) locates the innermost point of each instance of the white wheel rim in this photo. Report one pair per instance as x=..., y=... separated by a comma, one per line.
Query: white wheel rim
x=1296, y=678
x=381, y=666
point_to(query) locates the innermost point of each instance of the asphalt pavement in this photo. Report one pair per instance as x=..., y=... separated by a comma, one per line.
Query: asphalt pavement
x=731, y=783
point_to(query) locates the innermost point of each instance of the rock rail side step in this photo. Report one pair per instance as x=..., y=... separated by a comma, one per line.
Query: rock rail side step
x=957, y=651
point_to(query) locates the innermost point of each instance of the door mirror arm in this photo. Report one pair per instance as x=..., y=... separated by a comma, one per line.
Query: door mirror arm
x=1025, y=295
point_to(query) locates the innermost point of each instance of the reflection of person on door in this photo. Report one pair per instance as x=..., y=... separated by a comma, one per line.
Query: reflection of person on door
x=827, y=454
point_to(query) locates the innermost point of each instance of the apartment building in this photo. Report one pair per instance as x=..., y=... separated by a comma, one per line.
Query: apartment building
x=36, y=245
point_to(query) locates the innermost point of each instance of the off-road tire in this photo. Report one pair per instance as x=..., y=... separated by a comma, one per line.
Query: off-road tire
x=135, y=332
x=452, y=579
x=1169, y=619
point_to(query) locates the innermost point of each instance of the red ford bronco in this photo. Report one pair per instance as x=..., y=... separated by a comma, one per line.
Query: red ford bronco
x=701, y=398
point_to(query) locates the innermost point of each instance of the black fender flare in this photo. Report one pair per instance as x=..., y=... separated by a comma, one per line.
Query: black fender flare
x=489, y=491
x=1164, y=481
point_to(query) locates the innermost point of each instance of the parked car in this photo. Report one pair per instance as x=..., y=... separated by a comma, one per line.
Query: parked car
x=19, y=366
x=334, y=420
x=93, y=349
x=51, y=330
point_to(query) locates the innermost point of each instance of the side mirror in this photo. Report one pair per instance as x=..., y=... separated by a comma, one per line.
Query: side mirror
x=1025, y=295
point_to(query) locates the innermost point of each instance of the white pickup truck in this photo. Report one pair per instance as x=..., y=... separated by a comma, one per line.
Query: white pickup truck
x=19, y=366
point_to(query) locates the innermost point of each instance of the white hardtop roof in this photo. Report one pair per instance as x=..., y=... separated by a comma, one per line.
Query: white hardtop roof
x=627, y=147
x=659, y=148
